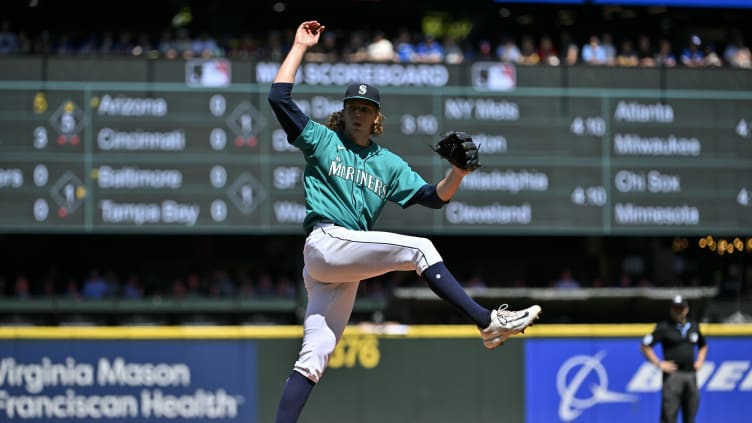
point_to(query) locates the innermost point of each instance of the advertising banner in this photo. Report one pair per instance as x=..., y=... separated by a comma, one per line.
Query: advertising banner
x=608, y=380
x=128, y=380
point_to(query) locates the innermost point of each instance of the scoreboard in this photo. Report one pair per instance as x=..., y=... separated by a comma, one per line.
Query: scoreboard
x=107, y=157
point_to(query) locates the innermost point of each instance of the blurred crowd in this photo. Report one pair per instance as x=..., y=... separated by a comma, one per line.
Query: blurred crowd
x=405, y=45
x=109, y=284
x=260, y=283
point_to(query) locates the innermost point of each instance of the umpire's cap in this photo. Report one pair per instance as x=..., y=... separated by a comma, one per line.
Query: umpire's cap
x=363, y=92
x=679, y=301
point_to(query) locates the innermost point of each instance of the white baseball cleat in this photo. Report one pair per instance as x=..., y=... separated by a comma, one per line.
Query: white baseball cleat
x=505, y=323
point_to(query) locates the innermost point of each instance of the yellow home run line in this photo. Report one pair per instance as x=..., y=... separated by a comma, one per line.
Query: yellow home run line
x=296, y=331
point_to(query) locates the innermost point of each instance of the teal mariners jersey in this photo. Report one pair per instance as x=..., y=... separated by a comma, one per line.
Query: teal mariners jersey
x=349, y=184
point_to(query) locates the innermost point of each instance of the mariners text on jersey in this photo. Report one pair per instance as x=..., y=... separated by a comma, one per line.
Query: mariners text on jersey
x=364, y=179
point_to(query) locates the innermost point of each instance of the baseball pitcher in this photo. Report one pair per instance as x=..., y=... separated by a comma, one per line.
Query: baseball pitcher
x=348, y=179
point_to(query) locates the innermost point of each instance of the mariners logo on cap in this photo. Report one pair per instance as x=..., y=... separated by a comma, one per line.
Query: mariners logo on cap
x=363, y=92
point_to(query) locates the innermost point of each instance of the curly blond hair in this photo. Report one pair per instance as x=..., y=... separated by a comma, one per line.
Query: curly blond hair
x=336, y=123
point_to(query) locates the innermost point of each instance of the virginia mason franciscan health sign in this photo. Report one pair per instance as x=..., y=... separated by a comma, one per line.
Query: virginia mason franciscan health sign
x=118, y=381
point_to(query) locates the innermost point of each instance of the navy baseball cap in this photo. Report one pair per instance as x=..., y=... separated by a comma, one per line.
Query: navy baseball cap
x=363, y=92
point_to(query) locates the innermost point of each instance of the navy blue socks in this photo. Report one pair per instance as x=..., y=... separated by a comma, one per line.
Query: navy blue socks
x=441, y=281
x=294, y=396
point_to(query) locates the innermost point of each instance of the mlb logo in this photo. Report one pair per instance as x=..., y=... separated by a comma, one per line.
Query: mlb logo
x=494, y=76
x=208, y=73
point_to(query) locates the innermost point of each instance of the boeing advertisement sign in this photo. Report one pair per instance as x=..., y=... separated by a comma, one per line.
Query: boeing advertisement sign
x=601, y=380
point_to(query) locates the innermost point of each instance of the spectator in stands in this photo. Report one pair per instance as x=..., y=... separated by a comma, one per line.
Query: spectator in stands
x=609, y=49
x=42, y=44
x=627, y=55
x=566, y=280
x=693, y=56
x=645, y=54
x=113, y=283
x=194, y=286
x=124, y=44
x=205, y=46
x=742, y=59
x=712, y=59
x=429, y=50
x=593, y=52
x=106, y=44
x=25, y=44
x=49, y=290
x=22, y=287
x=476, y=281
x=404, y=47
x=71, y=289
x=508, y=52
x=644, y=282
x=665, y=56
x=528, y=52
x=265, y=286
x=356, y=48
x=485, y=51
x=547, y=52
x=736, y=54
x=95, y=287
x=519, y=283
x=597, y=282
x=245, y=288
x=275, y=46
x=733, y=43
x=178, y=290
x=285, y=287
x=167, y=46
x=244, y=48
x=325, y=51
x=625, y=280
x=183, y=43
x=730, y=285
x=571, y=54
x=64, y=46
x=570, y=50
x=88, y=46
x=8, y=40
x=380, y=49
x=132, y=289
x=330, y=48
x=221, y=284
x=453, y=53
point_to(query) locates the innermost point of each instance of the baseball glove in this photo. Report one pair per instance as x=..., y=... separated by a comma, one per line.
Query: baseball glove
x=458, y=149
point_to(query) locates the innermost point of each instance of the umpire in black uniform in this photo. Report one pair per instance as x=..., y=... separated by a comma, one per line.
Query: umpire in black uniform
x=678, y=338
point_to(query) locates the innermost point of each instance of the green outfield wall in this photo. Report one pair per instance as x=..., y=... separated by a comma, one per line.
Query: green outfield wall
x=386, y=373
